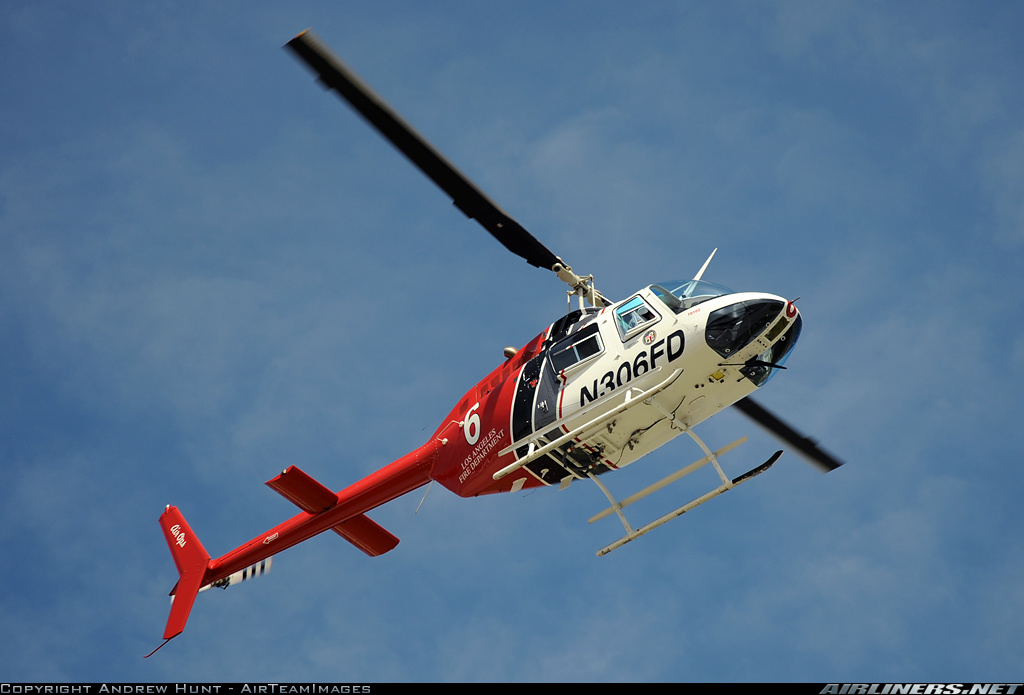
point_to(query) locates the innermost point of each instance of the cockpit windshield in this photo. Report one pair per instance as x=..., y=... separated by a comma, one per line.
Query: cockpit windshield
x=680, y=295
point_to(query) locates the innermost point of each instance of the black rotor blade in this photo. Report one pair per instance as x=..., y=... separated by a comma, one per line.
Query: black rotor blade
x=805, y=446
x=334, y=74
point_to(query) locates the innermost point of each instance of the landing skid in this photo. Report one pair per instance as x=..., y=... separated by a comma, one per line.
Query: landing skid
x=710, y=456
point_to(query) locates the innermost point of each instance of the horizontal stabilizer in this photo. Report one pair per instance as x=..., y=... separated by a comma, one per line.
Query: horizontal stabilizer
x=366, y=534
x=313, y=497
x=304, y=491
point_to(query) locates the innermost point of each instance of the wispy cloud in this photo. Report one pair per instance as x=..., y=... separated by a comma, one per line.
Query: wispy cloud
x=209, y=270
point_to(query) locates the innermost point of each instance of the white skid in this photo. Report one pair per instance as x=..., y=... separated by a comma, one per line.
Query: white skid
x=668, y=480
x=727, y=485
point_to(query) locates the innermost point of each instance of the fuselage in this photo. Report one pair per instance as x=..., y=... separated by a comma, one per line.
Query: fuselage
x=595, y=391
x=691, y=348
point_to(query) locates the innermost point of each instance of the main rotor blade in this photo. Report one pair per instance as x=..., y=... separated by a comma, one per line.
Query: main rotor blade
x=805, y=446
x=334, y=74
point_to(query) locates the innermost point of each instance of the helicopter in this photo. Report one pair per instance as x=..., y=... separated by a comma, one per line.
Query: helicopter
x=595, y=391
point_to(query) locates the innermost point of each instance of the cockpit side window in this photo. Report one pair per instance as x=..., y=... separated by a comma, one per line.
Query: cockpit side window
x=634, y=315
x=577, y=348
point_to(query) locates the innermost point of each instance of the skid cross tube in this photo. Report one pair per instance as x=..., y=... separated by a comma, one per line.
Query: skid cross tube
x=650, y=489
x=727, y=485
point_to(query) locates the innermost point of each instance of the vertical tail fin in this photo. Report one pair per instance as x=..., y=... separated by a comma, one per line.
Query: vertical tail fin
x=192, y=561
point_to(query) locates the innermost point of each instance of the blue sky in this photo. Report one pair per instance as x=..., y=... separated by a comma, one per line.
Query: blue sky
x=210, y=269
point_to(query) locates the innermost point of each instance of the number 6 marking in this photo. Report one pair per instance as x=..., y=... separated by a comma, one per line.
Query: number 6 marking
x=471, y=426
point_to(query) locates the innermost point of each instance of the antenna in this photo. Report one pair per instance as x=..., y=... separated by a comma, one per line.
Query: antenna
x=704, y=267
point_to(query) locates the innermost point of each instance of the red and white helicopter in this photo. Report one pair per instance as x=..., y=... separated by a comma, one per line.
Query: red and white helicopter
x=596, y=390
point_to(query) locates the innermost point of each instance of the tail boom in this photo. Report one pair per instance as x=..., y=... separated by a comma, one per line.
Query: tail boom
x=394, y=480
x=343, y=512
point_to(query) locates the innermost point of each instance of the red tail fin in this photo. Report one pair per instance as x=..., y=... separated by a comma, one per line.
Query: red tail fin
x=192, y=561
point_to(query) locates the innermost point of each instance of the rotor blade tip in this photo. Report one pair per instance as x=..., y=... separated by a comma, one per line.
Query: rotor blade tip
x=300, y=37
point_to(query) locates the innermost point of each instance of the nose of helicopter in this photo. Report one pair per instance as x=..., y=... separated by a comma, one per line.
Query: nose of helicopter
x=733, y=327
x=771, y=321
